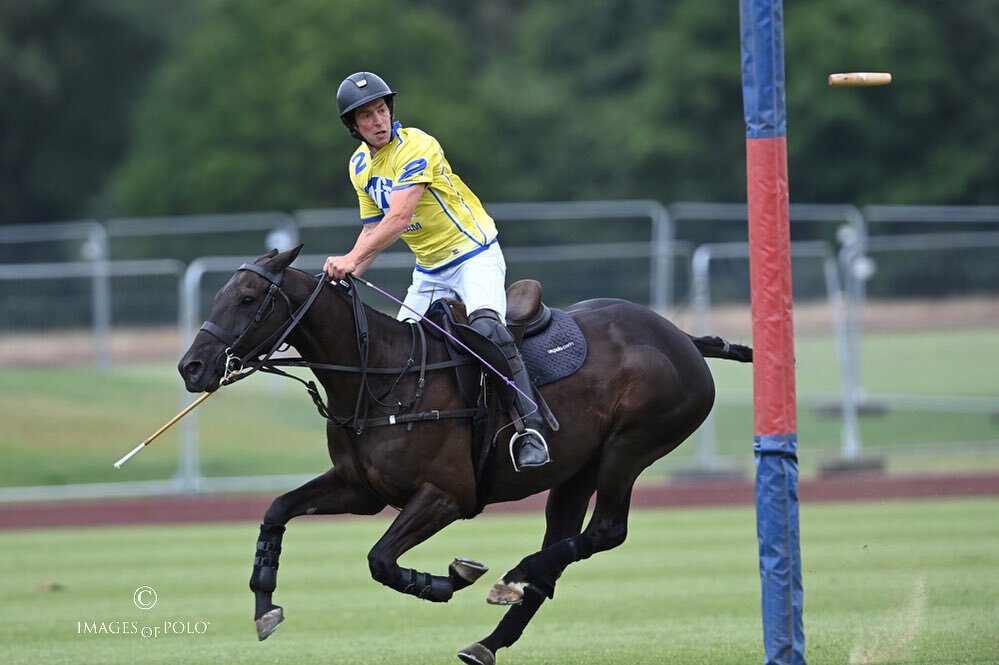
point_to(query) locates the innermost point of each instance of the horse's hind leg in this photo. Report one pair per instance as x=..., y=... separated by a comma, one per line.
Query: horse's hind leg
x=564, y=514
x=533, y=579
x=324, y=495
x=625, y=454
x=527, y=585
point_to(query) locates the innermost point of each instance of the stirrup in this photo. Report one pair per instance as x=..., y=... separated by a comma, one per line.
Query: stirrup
x=540, y=437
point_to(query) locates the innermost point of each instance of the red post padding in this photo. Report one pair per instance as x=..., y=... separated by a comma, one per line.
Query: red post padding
x=770, y=280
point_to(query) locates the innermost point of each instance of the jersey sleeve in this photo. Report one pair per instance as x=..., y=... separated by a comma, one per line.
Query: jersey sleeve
x=368, y=210
x=416, y=161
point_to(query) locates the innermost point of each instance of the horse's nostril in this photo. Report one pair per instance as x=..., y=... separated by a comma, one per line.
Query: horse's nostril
x=192, y=368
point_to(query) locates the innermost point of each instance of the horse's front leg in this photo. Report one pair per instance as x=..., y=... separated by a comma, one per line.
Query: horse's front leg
x=324, y=495
x=427, y=512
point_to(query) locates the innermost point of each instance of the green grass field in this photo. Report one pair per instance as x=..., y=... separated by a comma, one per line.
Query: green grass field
x=903, y=582
x=70, y=425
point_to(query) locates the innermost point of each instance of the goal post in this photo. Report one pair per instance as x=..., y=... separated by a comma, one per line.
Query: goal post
x=774, y=395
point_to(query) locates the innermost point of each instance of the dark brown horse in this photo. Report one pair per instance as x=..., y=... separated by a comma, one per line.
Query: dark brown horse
x=643, y=389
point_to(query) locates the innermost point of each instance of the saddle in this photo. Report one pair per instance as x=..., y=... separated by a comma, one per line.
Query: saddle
x=526, y=316
x=550, y=343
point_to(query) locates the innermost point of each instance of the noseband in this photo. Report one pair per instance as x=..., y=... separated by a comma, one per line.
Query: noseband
x=235, y=362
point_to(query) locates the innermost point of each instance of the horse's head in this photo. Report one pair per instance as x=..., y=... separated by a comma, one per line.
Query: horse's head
x=248, y=314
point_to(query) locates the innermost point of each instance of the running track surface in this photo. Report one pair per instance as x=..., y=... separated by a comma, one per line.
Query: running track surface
x=228, y=508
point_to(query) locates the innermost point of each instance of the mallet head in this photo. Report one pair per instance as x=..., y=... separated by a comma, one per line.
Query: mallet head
x=859, y=79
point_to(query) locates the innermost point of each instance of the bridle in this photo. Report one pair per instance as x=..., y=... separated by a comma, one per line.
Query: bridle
x=238, y=366
x=234, y=362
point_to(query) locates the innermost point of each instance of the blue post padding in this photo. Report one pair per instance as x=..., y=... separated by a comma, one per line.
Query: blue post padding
x=762, y=24
x=780, y=552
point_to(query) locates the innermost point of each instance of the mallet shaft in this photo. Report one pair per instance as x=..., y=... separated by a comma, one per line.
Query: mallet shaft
x=190, y=407
x=130, y=455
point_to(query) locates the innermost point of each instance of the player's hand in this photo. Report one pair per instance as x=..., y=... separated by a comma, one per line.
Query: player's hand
x=338, y=267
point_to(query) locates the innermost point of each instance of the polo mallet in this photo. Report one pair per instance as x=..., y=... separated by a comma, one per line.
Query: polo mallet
x=190, y=407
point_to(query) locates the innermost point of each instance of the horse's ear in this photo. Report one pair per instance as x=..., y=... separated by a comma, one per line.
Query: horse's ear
x=278, y=262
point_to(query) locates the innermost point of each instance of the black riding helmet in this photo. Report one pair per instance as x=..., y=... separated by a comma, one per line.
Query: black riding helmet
x=356, y=91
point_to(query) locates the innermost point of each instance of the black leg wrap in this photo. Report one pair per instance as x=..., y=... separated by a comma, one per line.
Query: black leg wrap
x=434, y=588
x=543, y=568
x=513, y=623
x=265, y=563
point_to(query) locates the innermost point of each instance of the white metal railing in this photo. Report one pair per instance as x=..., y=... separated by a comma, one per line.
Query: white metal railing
x=845, y=270
x=659, y=249
x=704, y=255
x=100, y=272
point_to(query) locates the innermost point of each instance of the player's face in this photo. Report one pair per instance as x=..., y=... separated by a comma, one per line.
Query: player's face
x=374, y=123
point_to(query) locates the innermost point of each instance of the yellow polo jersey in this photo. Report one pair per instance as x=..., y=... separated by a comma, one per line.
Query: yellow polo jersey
x=449, y=224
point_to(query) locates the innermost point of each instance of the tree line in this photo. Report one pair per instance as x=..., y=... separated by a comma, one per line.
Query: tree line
x=155, y=107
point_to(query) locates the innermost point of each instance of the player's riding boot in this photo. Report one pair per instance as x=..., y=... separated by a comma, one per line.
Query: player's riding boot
x=533, y=449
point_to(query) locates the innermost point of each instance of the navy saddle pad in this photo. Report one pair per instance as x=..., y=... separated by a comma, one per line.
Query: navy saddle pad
x=556, y=352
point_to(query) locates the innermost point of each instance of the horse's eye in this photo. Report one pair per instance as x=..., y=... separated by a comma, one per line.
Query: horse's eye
x=248, y=300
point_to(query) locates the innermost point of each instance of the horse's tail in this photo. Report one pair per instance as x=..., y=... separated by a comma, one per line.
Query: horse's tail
x=716, y=347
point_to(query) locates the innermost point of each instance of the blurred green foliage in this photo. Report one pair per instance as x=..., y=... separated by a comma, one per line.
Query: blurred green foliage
x=152, y=107
x=69, y=73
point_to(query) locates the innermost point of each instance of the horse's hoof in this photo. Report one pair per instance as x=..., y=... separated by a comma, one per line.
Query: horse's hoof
x=476, y=654
x=269, y=622
x=506, y=593
x=464, y=572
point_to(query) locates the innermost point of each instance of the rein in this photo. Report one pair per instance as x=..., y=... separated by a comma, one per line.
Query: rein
x=238, y=367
